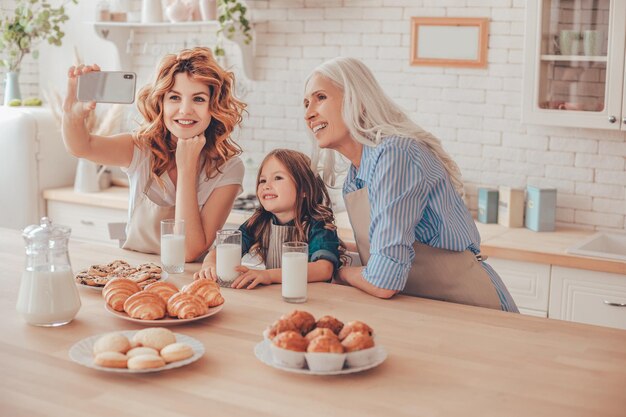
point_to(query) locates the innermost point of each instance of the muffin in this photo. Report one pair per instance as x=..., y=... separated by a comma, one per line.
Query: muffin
x=357, y=341
x=325, y=354
x=355, y=327
x=279, y=326
x=360, y=349
x=329, y=322
x=291, y=340
x=320, y=331
x=304, y=321
x=288, y=349
x=325, y=344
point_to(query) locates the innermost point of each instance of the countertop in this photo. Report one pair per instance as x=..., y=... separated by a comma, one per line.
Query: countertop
x=517, y=244
x=443, y=359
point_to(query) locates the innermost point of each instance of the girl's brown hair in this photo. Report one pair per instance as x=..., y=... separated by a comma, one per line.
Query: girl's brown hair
x=312, y=202
x=226, y=111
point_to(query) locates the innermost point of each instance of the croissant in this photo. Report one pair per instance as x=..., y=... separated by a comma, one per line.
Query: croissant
x=206, y=289
x=163, y=289
x=117, y=291
x=186, y=306
x=145, y=305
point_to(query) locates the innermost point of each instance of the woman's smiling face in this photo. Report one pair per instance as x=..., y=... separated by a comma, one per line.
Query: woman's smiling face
x=186, y=110
x=323, y=101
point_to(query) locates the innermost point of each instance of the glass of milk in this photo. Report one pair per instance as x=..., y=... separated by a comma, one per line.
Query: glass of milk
x=173, y=245
x=295, y=261
x=228, y=251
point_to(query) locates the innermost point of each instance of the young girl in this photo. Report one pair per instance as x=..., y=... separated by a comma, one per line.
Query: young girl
x=181, y=163
x=295, y=206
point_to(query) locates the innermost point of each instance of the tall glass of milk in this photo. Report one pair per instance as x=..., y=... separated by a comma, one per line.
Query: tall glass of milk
x=173, y=245
x=228, y=251
x=295, y=260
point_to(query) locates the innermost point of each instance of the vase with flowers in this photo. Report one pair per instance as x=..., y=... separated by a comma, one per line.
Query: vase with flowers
x=32, y=21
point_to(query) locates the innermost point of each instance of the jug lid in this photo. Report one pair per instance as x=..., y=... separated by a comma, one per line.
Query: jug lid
x=45, y=231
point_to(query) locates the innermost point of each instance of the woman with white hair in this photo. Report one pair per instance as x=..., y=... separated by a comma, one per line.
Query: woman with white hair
x=403, y=194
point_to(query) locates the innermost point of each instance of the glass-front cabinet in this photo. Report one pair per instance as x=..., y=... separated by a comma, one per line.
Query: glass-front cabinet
x=574, y=63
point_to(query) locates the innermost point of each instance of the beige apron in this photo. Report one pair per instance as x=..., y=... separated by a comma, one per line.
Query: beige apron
x=436, y=273
x=279, y=234
x=143, y=233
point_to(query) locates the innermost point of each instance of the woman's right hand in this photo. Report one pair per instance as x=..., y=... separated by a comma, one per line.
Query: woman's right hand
x=71, y=106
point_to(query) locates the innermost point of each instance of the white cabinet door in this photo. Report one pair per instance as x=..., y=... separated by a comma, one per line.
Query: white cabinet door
x=528, y=283
x=87, y=222
x=588, y=297
x=574, y=63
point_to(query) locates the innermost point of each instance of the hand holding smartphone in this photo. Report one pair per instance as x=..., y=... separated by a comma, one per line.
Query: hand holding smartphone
x=107, y=87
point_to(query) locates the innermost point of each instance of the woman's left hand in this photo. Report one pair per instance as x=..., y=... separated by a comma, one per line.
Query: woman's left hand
x=250, y=278
x=188, y=152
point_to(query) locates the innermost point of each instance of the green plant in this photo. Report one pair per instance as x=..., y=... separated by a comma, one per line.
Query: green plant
x=31, y=22
x=232, y=17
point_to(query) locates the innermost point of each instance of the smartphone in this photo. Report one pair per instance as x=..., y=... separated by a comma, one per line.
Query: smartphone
x=107, y=87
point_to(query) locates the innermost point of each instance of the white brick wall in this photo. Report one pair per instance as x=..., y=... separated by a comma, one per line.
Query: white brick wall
x=476, y=113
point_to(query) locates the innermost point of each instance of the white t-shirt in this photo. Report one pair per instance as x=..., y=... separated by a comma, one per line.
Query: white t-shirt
x=139, y=172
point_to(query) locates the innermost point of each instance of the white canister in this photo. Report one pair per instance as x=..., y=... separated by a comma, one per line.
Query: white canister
x=151, y=11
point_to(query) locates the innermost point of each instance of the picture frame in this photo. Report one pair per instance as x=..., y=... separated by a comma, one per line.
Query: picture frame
x=449, y=41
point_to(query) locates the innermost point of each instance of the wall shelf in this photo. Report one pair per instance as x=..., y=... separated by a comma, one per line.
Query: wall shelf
x=119, y=33
x=574, y=58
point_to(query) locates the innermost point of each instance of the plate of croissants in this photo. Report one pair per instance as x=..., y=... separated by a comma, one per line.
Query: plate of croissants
x=297, y=342
x=96, y=276
x=162, y=303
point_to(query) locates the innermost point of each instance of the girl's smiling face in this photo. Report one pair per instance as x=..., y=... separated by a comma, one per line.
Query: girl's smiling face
x=186, y=107
x=276, y=190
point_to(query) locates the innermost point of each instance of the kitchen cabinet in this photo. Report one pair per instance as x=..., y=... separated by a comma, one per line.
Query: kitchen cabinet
x=574, y=63
x=122, y=35
x=588, y=297
x=88, y=223
x=528, y=283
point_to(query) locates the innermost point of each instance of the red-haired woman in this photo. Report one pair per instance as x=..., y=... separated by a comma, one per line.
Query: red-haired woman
x=181, y=162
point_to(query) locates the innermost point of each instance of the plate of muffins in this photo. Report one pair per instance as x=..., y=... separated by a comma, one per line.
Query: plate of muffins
x=162, y=303
x=299, y=343
x=97, y=276
x=149, y=350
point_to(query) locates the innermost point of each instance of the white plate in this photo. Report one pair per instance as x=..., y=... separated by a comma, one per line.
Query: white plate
x=167, y=321
x=264, y=354
x=82, y=353
x=164, y=277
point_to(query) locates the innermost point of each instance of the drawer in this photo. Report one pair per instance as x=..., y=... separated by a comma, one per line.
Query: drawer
x=582, y=296
x=528, y=283
x=87, y=222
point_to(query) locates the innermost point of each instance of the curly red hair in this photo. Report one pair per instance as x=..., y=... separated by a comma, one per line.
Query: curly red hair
x=226, y=111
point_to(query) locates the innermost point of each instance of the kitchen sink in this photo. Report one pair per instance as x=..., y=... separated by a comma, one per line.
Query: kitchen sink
x=602, y=245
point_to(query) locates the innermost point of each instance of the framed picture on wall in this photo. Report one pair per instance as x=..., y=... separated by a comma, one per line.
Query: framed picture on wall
x=449, y=41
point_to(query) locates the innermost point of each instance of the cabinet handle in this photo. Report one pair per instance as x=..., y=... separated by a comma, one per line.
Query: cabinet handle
x=87, y=222
x=612, y=119
x=611, y=303
x=624, y=120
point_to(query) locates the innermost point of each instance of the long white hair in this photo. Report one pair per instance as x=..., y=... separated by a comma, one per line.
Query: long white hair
x=370, y=116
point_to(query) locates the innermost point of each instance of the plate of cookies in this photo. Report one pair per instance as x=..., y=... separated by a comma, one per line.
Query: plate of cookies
x=97, y=276
x=148, y=350
x=162, y=303
x=299, y=343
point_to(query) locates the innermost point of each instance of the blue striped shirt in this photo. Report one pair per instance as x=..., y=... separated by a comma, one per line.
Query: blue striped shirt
x=411, y=198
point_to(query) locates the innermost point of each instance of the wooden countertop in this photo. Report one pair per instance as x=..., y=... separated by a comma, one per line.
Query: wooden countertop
x=444, y=359
x=517, y=244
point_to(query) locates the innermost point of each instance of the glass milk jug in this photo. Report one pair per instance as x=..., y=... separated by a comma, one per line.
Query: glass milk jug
x=48, y=295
